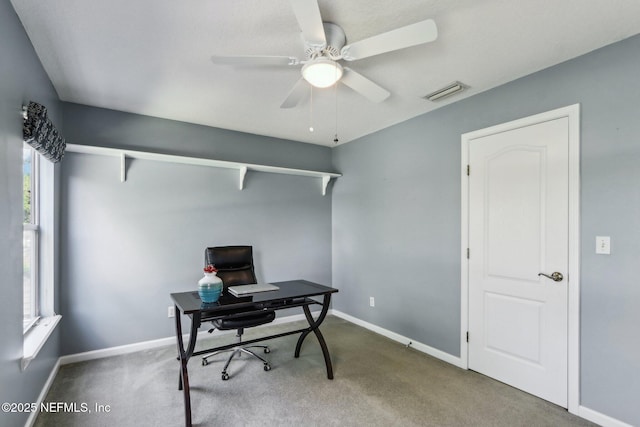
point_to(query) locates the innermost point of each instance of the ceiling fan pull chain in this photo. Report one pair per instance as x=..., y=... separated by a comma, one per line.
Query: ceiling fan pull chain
x=335, y=92
x=311, y=109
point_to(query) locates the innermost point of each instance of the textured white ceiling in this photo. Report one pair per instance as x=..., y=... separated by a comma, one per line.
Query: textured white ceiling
x=153, y=57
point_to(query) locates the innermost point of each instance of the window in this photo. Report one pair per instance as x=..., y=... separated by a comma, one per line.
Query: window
x=39, y=229
x=30, y=168
x=39, y=317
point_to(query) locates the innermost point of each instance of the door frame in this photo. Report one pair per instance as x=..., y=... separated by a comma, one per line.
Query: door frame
x=572, y=112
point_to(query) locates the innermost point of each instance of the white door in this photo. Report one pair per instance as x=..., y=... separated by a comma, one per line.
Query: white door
x=518, y=228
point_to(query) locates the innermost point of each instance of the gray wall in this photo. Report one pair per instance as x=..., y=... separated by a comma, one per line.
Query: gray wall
x=396, y=217
x=126, y=246
x=22, y=79
x=109, y=128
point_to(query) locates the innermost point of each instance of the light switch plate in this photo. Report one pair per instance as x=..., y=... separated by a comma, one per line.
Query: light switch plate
x=603, y=245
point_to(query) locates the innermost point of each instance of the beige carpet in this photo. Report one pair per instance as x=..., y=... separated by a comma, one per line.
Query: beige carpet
x=378, y=382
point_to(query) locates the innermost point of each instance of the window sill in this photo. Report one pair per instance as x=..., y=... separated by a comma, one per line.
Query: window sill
x=35, y=338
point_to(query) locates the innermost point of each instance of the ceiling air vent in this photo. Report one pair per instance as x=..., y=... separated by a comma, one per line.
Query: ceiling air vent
x=446, y=91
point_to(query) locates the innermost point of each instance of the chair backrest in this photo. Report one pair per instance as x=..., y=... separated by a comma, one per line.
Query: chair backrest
x=234, y=264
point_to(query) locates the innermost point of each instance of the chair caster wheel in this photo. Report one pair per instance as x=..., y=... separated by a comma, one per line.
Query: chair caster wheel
x=225, y=376
x=267, y=367
x=205, y=362
x=266, y=350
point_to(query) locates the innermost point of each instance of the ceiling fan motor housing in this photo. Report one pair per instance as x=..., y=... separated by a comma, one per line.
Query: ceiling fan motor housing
x=336, y=39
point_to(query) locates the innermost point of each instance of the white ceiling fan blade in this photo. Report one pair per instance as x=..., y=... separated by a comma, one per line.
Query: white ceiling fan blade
x=308, y=15
x=297, y=94
x=411, y=35
x=364, y=86
x=255, y=60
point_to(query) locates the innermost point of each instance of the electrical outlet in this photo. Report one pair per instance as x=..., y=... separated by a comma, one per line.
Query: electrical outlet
x=171, y=311
x=372, y=302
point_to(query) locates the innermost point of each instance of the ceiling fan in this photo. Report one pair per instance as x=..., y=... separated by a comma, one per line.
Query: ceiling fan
x=325, y=46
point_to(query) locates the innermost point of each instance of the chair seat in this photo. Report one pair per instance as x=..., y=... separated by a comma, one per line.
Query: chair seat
x=249, y=321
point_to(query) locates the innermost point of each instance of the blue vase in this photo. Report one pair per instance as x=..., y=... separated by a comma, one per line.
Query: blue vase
x=210, y=287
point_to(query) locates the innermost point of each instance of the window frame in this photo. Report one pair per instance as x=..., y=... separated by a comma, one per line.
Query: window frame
x=45, y=265
x=32, y=228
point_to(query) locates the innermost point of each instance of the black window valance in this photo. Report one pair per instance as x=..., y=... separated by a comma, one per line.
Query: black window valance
x=41, y=134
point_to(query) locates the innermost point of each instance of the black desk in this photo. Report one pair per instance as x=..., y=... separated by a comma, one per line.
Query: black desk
x=294, y=293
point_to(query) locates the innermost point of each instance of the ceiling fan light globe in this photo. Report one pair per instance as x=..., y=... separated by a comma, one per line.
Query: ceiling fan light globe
x=322, y=73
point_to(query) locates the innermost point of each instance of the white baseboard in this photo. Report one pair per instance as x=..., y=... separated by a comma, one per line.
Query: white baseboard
x=43, y=394
x=599, y=418
x=439, y=354
x=119, y=350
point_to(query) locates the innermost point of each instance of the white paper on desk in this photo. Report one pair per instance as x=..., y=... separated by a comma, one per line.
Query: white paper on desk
x=252, y=289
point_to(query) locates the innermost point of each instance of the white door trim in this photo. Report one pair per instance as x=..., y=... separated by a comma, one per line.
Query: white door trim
x=572, y=112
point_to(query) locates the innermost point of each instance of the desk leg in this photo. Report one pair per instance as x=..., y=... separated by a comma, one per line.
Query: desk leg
x=183, y=356
x=314, y=327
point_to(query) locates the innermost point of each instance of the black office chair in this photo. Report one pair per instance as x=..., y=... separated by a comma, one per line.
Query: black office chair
x=235, y=267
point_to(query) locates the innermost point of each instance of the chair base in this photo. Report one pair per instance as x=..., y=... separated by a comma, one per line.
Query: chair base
x=238, y=350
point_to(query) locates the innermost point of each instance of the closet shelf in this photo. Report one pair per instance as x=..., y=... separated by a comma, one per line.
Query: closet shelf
x=242, y=168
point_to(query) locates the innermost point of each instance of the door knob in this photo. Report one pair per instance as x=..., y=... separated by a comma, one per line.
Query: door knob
x=555, y=276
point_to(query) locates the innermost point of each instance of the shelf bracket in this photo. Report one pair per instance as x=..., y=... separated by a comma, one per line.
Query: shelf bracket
x=243, y=173
x=123, y=167
x=325, y=182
